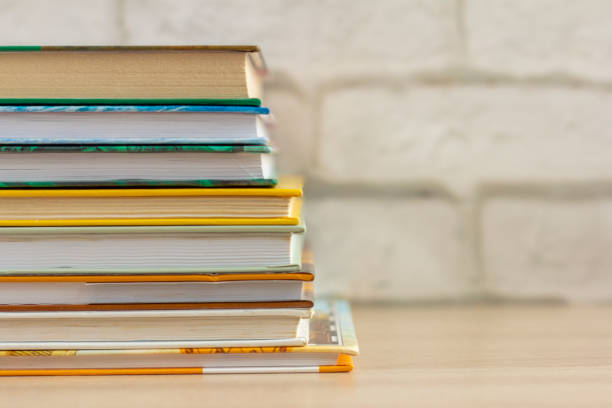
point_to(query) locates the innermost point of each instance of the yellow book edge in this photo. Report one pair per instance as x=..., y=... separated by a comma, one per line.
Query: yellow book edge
x=292, y=219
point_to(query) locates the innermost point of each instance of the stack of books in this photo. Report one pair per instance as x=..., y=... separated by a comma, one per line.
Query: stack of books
x=143, y=229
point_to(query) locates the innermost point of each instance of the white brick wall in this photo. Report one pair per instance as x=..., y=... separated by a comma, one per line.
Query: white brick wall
x=310, y=40
x=538, y=246
x=293, y=124
x=390, y=248
x=404, y=114
x=528, y=37
x=463, y=136
x=59, y=22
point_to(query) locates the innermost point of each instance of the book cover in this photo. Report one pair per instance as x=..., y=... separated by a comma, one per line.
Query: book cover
x=137, y=149
x=132, y=101
x=90, y=326
x=119, y=128
x=15, y=149
x=305, y=273
x=128, y=75
x=295, y=248
x=331, y=333
x=287, y=187
x=253, y=110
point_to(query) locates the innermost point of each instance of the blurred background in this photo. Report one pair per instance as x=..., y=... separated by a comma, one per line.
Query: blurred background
x=455, y=150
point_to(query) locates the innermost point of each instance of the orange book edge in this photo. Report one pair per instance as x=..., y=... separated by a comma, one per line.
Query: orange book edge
x=229, y=277
x=345, y=364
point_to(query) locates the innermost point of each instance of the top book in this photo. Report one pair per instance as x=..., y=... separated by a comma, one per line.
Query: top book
x=209, y=75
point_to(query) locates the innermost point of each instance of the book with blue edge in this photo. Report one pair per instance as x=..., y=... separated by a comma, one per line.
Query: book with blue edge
x=144, y=228
x=133, y=124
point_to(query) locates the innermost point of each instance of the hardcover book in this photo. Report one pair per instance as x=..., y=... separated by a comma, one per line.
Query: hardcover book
x=57, y=166
x=150, y=249
x=66, y=292
x=279, y=205
x=153, y=328
x=167, y=75
x=141, y=124
x=331, y=345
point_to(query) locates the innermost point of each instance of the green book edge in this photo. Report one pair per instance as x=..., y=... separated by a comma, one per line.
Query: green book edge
x=147, y=101
x=140, y=183
x=233, y=48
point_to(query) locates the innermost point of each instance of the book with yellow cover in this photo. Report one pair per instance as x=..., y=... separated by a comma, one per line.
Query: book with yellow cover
x=331, y=346
x=279, y=205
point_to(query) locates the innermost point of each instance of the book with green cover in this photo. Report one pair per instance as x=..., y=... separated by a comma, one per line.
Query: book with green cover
x=57, y=166
x=141, y=75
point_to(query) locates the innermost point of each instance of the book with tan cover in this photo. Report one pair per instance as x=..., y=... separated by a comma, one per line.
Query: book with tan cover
x=132, y=75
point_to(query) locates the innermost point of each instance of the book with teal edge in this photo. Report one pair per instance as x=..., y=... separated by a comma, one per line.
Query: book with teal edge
x=133, y=124
x=266, y=179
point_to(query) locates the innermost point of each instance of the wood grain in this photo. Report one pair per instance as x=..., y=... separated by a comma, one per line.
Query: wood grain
x=514, y=356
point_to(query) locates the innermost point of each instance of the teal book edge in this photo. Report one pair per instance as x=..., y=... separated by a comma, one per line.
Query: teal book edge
x=141, y=149
x=135, y=149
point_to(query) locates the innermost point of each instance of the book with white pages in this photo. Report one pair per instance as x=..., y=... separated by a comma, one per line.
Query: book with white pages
x=150, y=249
x=330, y=348
x=129, y=329
x=132, y=124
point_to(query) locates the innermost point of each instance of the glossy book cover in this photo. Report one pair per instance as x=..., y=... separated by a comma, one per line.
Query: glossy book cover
x=331, y=346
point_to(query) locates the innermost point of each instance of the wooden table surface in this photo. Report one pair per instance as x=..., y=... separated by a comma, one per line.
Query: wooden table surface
x=461, y=356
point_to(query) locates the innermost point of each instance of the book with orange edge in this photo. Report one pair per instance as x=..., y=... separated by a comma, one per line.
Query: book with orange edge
x=60, y=292
x=306, y=274
x=331, y=346
x=73, y=297
x=279, y=205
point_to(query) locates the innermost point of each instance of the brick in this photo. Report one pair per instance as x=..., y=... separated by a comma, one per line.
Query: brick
x=60, y=22
x=528, y=37
x=291, y=128
x=464, y=135
x=389, y=249
x=534, y=248
x=309, y=40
